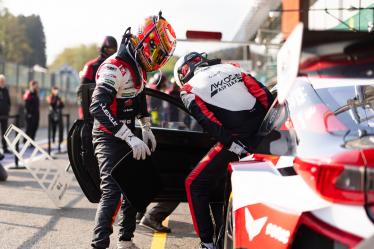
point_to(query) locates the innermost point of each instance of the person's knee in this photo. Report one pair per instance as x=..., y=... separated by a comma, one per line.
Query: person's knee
x=110, y=194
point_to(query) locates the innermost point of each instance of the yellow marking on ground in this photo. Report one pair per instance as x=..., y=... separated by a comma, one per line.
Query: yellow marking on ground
x=159, y=239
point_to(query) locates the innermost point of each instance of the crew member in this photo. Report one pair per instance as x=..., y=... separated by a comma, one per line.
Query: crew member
x=4, y=110
x=230, y=105
x=31, y=98
x=117, y=100
x=108, y=48
x=55, y=112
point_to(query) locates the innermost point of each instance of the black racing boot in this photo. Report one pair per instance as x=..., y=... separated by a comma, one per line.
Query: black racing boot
x=154, y=225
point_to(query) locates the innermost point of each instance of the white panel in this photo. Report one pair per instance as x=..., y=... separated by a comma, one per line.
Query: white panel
x=352, y=219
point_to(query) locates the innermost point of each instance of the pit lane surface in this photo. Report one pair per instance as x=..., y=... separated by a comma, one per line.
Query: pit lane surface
x=28, y=219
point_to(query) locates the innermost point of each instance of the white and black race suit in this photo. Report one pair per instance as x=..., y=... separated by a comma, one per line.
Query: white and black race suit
x=230, y=105
x=118, y=98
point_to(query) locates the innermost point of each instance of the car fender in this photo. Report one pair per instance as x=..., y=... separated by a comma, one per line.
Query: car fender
x=267, y=206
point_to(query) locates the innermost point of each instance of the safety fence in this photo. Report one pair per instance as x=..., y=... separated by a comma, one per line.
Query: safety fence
x=18, y=77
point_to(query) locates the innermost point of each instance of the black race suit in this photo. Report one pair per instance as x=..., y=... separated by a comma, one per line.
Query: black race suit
x=32, y=112
x=55, y=111
x=118, y=98
x=230, y=105
x=4, y=113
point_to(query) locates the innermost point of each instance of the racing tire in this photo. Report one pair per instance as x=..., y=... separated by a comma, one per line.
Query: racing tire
x=228, y=242
x=3, y=174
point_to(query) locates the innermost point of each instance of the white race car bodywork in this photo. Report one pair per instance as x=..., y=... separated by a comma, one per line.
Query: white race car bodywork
x=255, y=183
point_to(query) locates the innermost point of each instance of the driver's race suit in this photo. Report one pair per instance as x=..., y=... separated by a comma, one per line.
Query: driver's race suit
x=118, y=98
x=230, y=105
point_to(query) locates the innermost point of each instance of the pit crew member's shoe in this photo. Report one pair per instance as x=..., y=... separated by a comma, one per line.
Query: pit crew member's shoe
x=206, y=246
x=139, y=216
x=154, y=225
x=126, y=245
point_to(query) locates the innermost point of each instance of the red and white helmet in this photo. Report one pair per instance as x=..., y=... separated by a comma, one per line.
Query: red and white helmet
x=154, y=43
x=185, y=66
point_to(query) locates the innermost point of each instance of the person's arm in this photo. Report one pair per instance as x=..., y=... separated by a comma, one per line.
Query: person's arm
x=204, y=116
x=8, y=99
x=87, y=74
x=28, y=102
x=105, y=92
x=143, y=109
x=258, y=90
x=87, y=77
x=61, y=104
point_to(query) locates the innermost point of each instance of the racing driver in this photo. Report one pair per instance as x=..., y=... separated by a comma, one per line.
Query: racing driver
x=230, y=105
x=117, y=100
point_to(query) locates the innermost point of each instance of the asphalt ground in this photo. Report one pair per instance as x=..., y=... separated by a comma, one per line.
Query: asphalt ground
x=29, y=219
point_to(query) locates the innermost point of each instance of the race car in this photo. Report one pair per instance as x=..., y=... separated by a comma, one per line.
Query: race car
x=310, y=182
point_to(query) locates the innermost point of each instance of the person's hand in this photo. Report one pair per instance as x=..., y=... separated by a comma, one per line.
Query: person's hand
x=139, y=149
x=147, y=133
x=238, y=148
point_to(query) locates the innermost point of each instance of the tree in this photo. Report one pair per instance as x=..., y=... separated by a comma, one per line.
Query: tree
x=14, y=44
x=36, y=40
x=76, y=57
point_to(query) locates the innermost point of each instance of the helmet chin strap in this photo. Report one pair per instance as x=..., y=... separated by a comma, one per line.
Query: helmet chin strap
x=159, y=79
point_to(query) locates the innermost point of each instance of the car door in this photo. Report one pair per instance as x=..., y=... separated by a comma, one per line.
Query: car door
x=181, y=143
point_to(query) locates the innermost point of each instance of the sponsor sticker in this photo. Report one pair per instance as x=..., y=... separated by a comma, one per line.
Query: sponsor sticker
x=225, y=83
x=111, y=68
x=123, y=70
x=109, y=81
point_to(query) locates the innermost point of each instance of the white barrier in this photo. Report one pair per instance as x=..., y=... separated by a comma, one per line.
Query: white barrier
x=50, y=173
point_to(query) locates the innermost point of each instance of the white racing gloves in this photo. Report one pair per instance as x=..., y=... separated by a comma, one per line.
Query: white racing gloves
x=147, y=133
x=238, y=148
x=139, y=149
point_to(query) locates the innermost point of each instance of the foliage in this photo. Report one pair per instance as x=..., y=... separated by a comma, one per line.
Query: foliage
x=76, y=57
x=36, y=39
x=13, y=42
x=22, y=39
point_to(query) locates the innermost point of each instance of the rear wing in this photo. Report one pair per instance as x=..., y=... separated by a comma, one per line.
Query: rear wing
x=288, y=60
x=303, y=46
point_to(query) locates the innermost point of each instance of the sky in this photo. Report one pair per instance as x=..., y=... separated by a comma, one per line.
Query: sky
x=69, y=23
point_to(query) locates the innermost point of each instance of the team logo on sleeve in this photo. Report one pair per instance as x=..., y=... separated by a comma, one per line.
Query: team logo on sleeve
x=123, y=70
x=225, y=83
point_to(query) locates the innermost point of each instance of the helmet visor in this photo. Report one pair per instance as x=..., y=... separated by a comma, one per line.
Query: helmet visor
x=160, y=56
